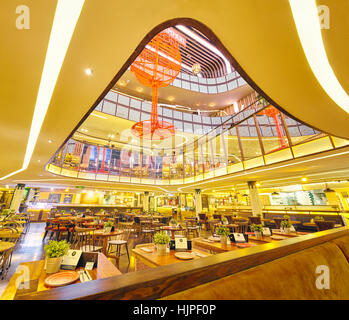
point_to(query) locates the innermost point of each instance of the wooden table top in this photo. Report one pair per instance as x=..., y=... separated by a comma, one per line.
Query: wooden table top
x=101, y=233
x=152, y=259
x=4, y=245
x=291, y=234
x=171, y=228
x=37, y=276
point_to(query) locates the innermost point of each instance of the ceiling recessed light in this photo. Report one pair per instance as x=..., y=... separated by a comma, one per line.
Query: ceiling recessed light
x=304, y=179
x=49, y=141
x=212, y=104
x=258, y=184
x=170, y=98
x=139, y=89
x=39, y=160
x=88, y=71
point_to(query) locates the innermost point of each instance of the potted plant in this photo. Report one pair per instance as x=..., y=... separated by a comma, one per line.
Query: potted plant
x=173, y=223
x=108, y=226
x=224, y=220
x=286, y=217
x=161, y=239
x=223, y=232
x=257, y=229
x=54, y=252
x=286, y=226
x=62, y=212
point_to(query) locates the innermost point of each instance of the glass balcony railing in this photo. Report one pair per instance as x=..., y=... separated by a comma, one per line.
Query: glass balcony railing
x=257, y=136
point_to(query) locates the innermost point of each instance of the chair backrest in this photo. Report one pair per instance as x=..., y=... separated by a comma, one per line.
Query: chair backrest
x=255, y=220
x=229, y=218
x=243, y=226
x=217, y=216
x=83, y=238
x=278, y=222
x=146, y=225
x=324, y=225
x=202, y=216
x=190, y=223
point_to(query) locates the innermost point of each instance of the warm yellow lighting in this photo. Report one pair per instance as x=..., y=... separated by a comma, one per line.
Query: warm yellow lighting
x=49, y=141
x=258, y=184
x=212, y=104
x=139, y=89
x=66, y=190
x=304, y=179
x=170, y=98
x=88, y=71
x=64, y=22
x=305, y=15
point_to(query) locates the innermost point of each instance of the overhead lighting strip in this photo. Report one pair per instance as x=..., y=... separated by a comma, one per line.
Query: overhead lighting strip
x=64, y=22
x=206, y=44
x=305, y=15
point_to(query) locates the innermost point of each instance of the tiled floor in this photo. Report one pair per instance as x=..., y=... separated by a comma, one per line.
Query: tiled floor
x=30, y=248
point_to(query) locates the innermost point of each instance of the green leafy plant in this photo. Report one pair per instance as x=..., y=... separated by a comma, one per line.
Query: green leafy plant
x=256, y=227
x=319, y=218
x=108, y=224
x=62, y=211
x=223, y=231
x=224, y=220
x=161, y=238
x=173, y=221
x=5, y=212
x=285, y=224
x=235, y=214
x=56, y=249
x=259, y=215
x=286, y=217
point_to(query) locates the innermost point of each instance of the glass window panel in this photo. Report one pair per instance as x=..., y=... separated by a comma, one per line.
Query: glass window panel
x=187, y=116
x=188, y=127
x=203, y=89
x=198, y=129
x=72, y=155
x=99, y=106
x=197, y=118
x=123, y=100
x=122, y=112
x=167, y=112
x=177, y=83
x=185, y=76
x=273, y=134
x=89, y=159
x=177, y=114
x=241, y=81
x=136, y=104
x=178, y=125
x=206, y=120
x=103, y=160
x=145, y=116
x=250, y=145
x=146, y=106
x=109, y=107
x=112, y=96
x=212, y=89
x=185, y=85
x=202, y=80
x=222, y=88
x=211, y=80
x=115, y=162
x=232, y=85
x=134, y=115
x=194, y=87
x=233, y=148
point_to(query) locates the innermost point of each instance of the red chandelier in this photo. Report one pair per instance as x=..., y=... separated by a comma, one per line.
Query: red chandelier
x=157, y=66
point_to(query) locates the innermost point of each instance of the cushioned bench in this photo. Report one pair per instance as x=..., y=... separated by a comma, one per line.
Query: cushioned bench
x=290, y=277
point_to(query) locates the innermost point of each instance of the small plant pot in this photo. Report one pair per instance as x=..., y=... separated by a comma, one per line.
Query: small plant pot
x=161, y=249
x=287, y=230
x=173, y=225
x=258, y=235
x=53, y=264
x=224, y=239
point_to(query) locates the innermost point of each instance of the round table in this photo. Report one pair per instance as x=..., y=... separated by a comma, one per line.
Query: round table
x=105, y=237
x=172, y=229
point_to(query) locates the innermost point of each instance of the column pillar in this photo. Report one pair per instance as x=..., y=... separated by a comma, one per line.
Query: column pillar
x=198, y=201
x=17, y=197
x=334, y=199
x=254, y=198
x=146, y=201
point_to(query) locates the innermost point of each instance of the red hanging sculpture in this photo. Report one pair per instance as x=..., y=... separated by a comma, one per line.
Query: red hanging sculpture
x=157, y=66
x=272, y=112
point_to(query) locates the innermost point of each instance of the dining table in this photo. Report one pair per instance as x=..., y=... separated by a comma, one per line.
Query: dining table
x=143, y=259
x=105, y=236
x=5, y=245
x=36, y=275
x=172, y=229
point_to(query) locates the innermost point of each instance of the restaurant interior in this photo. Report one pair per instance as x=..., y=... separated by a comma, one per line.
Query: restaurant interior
x=174, y=156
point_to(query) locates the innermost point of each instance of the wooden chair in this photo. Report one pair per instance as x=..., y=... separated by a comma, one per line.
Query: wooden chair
x=5, y=262
x=85, y=240
x=217, y=217
x=191, y=228
x=324, y=225
x=229, y=218
x=202, y=220
x=120, y=241
x=255, y=220
x=243, y=226
x=147, y=230
x=277, y=222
